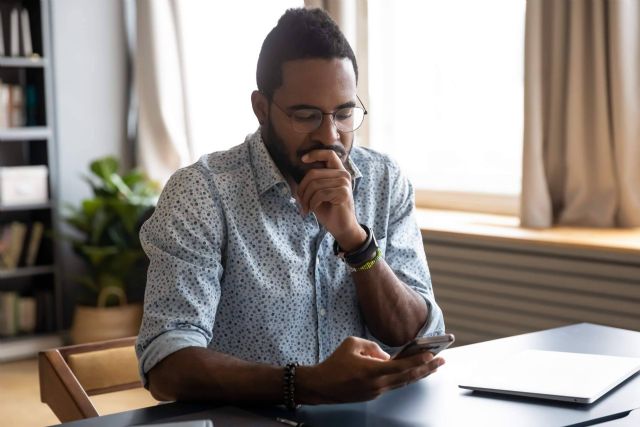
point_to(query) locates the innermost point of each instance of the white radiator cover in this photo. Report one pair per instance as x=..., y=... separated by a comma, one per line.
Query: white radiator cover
x=491, y=288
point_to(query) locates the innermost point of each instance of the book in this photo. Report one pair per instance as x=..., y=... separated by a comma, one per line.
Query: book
x=1, y=37
x=16, y=106
x=30, y=105
x=5, y=243
x=11, y=256
x=4, y=105
x=8, y=313
x=26, y=315
x=37, y=230
x=14, y=35
x=27, y=47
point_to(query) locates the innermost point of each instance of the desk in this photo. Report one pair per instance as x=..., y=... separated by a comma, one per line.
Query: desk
x=437, y=400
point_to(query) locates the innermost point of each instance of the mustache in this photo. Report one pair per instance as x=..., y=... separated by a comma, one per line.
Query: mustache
x=338, y=149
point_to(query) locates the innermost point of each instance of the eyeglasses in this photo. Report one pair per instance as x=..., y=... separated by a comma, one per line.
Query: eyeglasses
x=307, y=120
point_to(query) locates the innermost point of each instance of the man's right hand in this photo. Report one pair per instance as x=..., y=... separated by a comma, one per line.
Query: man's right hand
x=359, y=370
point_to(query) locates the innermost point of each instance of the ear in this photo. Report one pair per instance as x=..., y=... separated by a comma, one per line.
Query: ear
x=260, y=106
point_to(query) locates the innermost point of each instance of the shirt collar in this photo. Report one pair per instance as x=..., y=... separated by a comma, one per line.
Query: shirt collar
x=267, y=173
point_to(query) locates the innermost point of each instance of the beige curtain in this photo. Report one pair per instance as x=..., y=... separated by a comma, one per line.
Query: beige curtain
x=582, y=114
x=164, y=142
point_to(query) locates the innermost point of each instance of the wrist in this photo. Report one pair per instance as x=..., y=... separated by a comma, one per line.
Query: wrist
x=352, y=239
x=306, y=386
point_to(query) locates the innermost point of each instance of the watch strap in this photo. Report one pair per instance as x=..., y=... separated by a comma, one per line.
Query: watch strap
x=366, y=252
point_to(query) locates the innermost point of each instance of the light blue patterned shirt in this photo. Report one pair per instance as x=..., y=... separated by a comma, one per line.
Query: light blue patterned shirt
x=235, y=267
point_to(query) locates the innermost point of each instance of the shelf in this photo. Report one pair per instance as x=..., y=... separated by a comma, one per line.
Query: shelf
x=35, y=62
x=25, y=133
x=26, y=271
x=20, y=347
x=30, y=207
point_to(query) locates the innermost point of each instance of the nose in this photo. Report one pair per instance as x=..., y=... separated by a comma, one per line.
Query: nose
x=327, y=133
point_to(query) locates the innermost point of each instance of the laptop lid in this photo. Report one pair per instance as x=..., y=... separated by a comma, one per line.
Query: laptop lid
x=571, y=377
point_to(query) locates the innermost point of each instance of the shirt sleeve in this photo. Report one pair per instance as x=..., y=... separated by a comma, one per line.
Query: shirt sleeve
x=405, y=252
x=183, y=240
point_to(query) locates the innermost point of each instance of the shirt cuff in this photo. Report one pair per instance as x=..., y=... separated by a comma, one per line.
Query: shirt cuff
x=164, y=345
x=435, y=322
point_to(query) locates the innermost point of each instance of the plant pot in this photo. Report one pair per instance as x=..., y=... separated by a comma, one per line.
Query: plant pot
x=102, y=323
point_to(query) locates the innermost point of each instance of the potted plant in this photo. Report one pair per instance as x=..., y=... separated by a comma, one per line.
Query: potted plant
x=106, y=238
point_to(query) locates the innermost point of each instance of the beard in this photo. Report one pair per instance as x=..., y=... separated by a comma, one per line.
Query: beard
x=284, y=160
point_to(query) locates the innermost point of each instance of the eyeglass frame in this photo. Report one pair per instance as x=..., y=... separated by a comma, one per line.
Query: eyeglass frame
x=333, y=115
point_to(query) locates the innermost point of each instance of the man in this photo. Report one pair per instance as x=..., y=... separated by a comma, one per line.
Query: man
x=294, y=247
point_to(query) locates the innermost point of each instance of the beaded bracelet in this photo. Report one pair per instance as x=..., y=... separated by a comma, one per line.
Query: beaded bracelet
x=289, y=386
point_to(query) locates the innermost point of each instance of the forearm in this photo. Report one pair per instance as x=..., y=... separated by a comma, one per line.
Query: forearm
x=393, y=312
x=196, y=373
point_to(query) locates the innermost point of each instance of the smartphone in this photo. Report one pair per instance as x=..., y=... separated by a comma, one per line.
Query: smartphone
x=419, y=345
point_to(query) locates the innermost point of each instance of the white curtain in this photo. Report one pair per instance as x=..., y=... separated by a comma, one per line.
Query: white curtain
x=582, y=114
x=195, y=68
x=164, y=142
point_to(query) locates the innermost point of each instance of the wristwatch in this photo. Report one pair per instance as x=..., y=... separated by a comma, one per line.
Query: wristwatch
x=366, y=252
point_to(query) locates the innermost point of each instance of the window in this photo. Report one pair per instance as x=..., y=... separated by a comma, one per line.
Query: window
x=446, y=97
x=221, y=42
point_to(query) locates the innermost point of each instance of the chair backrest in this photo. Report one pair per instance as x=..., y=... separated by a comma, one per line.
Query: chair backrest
x=69, y=375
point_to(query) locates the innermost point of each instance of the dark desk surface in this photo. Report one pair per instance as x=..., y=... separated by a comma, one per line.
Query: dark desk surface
x=437, y=400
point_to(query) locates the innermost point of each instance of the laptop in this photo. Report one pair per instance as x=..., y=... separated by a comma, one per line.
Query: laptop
x=555, y=375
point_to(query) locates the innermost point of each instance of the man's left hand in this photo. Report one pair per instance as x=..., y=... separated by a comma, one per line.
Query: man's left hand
x=327, y=193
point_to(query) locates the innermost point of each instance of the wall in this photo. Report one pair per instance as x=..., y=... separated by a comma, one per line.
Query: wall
x=89, y=72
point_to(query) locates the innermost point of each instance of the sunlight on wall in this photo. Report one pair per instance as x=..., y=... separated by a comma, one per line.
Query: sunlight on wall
x=222, y=41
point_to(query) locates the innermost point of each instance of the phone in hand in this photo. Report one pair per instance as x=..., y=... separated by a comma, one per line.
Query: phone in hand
x=419, y=345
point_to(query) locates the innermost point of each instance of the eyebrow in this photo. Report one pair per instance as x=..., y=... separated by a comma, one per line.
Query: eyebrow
x=307, y=106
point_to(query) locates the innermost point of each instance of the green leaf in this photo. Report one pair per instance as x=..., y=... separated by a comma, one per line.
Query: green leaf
x=98, y=254
x=107, y=225
x=99, y=223
x=104, y=167
x=122, y=187
x=133, y=178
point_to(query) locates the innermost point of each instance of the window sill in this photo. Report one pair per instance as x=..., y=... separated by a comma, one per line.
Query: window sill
x=506, y=229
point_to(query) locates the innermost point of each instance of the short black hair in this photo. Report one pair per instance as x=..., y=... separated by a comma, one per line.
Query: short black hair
x=300, y=34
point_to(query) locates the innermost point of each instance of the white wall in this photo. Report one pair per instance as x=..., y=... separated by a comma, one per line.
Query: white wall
x=89, y=73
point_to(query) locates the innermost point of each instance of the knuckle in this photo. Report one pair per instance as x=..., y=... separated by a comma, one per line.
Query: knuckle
x=350, y=340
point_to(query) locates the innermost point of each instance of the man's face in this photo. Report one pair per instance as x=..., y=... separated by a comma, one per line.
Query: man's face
x=325, y=84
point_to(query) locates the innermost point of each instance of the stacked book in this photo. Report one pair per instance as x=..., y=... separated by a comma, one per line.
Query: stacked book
x=19, y=244
x=12, y=105
x=20, y=42
x=26, y=314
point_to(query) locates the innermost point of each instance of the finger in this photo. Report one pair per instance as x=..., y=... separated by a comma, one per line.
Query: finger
x=315, y=174
x=400, y=379
x=405, y=364
x=319, y=184
x=329, y=156
x=335, y=196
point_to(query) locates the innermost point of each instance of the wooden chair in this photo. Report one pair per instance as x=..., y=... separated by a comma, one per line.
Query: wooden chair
x=69, y=375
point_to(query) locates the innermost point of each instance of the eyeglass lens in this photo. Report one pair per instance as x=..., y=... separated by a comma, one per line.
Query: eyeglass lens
x=345, y=119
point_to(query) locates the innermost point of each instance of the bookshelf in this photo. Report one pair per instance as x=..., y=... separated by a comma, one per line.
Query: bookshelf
x=29, y=140
x=25, y=133
x=22, y=62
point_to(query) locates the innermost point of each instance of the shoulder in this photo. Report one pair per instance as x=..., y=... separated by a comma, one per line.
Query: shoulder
x=374, y=164
x=224, y=162
x=210, y=169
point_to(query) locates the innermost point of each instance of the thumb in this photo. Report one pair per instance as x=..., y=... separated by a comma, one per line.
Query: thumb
x=373, y=350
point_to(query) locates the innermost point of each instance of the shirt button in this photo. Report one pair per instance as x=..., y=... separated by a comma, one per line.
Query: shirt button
x=322, y=312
